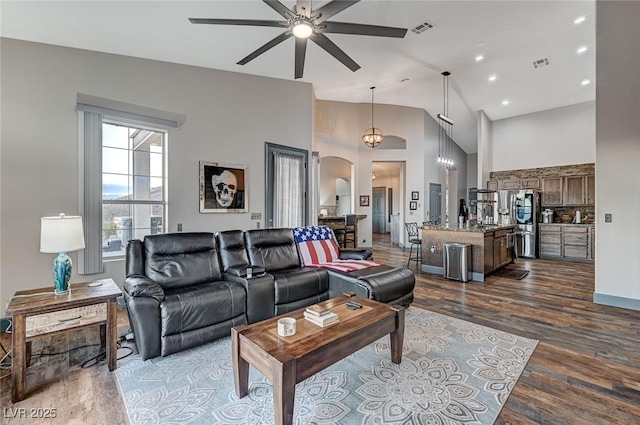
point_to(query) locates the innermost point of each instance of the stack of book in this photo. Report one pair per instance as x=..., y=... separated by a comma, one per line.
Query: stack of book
x=320, y=316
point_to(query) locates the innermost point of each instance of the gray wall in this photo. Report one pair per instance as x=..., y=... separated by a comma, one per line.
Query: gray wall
x=618, y=153
x=229, y=116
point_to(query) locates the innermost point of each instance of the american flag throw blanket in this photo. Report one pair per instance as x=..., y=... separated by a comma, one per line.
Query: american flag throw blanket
x=317, y=248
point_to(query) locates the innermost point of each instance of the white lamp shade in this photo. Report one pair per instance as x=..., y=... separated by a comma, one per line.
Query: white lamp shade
x=61, y=234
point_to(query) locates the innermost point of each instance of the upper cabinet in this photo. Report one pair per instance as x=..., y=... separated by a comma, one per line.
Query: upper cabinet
x=574, y=193
x=590, y=190
x=512, y=184
x=492, y=185
x=552, y=191
x=568, y=191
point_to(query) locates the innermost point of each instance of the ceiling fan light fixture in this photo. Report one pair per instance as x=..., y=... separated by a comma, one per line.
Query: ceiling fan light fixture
x=302, y=28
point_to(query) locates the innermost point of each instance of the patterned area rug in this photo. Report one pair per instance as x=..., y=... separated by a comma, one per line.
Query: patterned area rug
x=452, y=372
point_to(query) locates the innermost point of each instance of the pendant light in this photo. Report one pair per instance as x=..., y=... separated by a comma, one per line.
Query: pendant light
x=373, y=136
x=445, y=144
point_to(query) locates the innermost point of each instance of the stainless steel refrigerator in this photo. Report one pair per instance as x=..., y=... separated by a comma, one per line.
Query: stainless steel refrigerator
x=523, y=209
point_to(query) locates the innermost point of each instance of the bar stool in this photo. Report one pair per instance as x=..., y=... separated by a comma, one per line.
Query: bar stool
x=347, y=234
x=414, y=239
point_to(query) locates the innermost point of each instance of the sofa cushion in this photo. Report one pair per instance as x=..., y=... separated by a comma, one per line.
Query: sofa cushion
x=316, y=244
x=232, y=250
x=195, y=307
x=181, y=259
x=273, y=249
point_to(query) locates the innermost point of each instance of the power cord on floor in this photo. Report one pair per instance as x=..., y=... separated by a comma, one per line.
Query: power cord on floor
x=101, y=357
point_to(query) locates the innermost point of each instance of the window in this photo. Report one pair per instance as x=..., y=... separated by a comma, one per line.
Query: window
x=123, y=176
x=133, y=188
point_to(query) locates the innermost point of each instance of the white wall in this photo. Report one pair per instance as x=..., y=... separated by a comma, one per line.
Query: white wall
x=332, y=168
x=618, y=153
x=559, y=136
x=472, y=172
x=484, y=150
x=229, y=116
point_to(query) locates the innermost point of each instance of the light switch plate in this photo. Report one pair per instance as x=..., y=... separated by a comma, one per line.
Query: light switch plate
x=608, y=218
x=256, y=216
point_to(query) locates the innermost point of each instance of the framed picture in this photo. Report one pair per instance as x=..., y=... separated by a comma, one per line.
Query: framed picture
x=413, y=205
x=364, y=200
x=223, y=188
x=415, y=196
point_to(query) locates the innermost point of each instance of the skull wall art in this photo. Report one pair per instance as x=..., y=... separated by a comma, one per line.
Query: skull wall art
x=222, y=188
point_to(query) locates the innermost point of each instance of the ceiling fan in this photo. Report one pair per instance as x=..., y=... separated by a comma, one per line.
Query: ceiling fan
x=306, y=24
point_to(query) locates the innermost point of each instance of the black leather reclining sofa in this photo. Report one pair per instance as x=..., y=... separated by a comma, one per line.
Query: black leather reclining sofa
x=186, y=289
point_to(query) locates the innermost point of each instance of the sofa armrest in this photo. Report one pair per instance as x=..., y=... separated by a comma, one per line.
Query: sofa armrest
x=143, y=297
x=356, y=254
x=142, y=286
x=241, y=271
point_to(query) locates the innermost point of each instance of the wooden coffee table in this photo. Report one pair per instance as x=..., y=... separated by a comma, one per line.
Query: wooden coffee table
x=285, y=361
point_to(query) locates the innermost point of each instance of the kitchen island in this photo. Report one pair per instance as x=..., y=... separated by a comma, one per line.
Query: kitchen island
x=491, y=247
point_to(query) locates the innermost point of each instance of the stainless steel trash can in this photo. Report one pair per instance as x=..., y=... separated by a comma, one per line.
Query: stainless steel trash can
x=456, y=261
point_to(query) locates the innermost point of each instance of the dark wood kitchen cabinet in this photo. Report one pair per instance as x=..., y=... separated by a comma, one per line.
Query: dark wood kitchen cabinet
x=552, y=191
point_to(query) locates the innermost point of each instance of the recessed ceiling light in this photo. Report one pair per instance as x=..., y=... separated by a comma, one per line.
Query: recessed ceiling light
x=579, y=20
x=505, y=102
x=585, y=82
x=479, y=58
x=582, y=49
x=492, y=77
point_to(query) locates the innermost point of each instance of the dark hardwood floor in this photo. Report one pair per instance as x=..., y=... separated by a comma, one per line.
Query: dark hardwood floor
x=585, y=370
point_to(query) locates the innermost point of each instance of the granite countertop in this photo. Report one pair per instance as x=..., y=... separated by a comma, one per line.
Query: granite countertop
x=472, y=229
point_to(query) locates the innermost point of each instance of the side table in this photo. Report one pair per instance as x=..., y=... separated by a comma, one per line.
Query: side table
x=37, y=312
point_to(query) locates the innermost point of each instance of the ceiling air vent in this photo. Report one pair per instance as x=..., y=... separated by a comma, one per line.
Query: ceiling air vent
x=426, y=25
x=541, y=63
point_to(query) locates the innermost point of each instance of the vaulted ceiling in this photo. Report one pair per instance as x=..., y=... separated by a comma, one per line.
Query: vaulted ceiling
x=509, y=35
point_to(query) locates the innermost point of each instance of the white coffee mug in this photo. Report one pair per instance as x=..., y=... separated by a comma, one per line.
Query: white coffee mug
x=287, y=326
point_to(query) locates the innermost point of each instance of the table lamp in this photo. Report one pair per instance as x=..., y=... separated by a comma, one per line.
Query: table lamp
x=61, y=234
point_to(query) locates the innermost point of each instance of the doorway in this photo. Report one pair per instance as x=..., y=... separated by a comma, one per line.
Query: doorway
x=435, y=203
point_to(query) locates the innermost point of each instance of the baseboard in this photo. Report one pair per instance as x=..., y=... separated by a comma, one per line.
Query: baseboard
x=613, y=301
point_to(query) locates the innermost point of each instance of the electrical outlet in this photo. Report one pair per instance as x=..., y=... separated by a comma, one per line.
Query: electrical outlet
x=179, y=227
x=257, y=225
x=433, y=249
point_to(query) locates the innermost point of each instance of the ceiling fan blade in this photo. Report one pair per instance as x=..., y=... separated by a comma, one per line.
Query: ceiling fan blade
x=328, y=10
x=279, y=39
x=301, y=51
x=250, y=22
x=283, y=10
x=303, y=7
x=361, y=29
x=328, y=45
